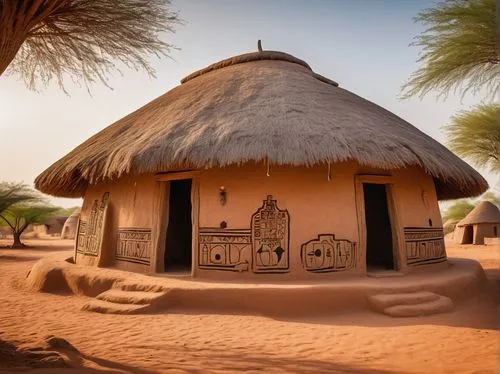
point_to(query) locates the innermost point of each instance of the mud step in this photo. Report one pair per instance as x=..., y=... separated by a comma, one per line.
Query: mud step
x=383, y=301
x=130, y=297
x=106, y=307
x=442, y=305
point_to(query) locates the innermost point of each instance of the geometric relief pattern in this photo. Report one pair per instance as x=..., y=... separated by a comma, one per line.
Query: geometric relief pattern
x=133, y=245
x=263, y=248
x=270, y=238
x=424, y=245
x=224, y=249
x=90, y=232
x=80, y=237
x=327, y=254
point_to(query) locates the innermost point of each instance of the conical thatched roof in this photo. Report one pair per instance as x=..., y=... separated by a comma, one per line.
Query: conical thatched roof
x=249, y=108
x=484, y=212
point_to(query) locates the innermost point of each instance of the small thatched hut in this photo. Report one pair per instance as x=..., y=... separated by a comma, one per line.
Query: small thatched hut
x=255, y=166
x=53, y=227
x=71, y=225
x=482, y=222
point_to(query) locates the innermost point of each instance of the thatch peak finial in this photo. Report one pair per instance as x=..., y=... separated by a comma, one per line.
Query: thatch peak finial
x=259, y=45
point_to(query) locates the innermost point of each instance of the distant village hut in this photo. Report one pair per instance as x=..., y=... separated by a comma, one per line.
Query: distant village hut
x=52, y=227
x=482, y=222
x=257, y=167
x=71, y=225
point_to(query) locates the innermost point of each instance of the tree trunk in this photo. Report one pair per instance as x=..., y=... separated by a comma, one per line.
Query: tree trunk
x=7, y=54
x=17, y=241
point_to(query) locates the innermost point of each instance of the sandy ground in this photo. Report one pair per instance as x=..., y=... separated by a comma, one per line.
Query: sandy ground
x=465, y=341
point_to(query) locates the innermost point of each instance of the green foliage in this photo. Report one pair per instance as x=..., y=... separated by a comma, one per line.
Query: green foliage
x=491, y=197
x=19, y=216
x=65, y=212
x=458, y=210
x=475, y=135
x=459, y=51
x=21, y=206
x=12, y=193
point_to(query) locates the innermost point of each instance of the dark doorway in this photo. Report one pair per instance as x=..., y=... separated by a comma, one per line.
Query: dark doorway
x=179, y=231
x=379, y=247
x=468, y=235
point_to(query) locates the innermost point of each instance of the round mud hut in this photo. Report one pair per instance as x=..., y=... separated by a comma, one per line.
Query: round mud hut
x=482, y=222
x=71, y=225
x=256, y=167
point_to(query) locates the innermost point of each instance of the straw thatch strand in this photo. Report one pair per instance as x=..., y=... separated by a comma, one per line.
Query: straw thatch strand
x=274, y=109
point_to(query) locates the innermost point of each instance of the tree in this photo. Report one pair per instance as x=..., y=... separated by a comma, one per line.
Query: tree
x=19, y=216
x=11, y=193
x=459, y=51
x=491, y=197
x=475, y=135
x=458, y=210
x=46, y=39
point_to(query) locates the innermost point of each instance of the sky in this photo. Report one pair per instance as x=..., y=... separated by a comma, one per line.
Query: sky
x=362, y=44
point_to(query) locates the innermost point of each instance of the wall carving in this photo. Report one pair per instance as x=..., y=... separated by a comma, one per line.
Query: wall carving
x=133, y=245
x=270, y=238
x=424, y=245
x=90, y=232
x=224, y=249
x=80, y=236
x=327, y=254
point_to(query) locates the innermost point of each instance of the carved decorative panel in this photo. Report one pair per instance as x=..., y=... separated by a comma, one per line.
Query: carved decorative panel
x=327, y=254
x=270, y=238
x=224, y=249
x=424, y=245
x=133, y=245
x=90, y=232
x=80, y=238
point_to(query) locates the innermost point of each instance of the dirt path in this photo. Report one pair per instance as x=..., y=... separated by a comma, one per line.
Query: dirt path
x=465, y=341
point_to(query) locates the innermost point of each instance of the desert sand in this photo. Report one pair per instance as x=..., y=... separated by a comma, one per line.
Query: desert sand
x=49, y=333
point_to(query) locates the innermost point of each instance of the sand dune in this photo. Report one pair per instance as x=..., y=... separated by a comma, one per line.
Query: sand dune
x=465, y=341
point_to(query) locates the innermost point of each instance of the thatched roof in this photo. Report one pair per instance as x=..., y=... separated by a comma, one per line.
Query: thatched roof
x=484, y=212
x=253, y=107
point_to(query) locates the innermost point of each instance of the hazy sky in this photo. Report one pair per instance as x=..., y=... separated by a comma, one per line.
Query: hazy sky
x=364, y=45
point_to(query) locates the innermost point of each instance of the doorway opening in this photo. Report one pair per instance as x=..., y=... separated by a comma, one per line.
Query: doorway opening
x=178, y=253
x=468, y=235
x=379, y=244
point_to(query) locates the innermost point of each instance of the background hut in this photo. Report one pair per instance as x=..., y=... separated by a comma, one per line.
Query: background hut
x=71, y=225
x=52, y=227
x=482, y=222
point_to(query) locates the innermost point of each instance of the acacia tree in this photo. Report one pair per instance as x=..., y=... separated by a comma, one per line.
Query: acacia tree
x=458, y=49
x=459, y=54
x=475, y=134
x=11, y=193
x=43, y=40
x=19, y=216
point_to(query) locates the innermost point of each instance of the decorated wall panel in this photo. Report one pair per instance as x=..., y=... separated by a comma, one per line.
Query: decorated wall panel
x=134, y=245
x=262, y=248
x=90, y=232
x=424, y=245
x=270, y=238
x=327, y=254
x=225, y=249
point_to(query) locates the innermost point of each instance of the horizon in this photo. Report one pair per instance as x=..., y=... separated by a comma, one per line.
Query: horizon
x=369, y=54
